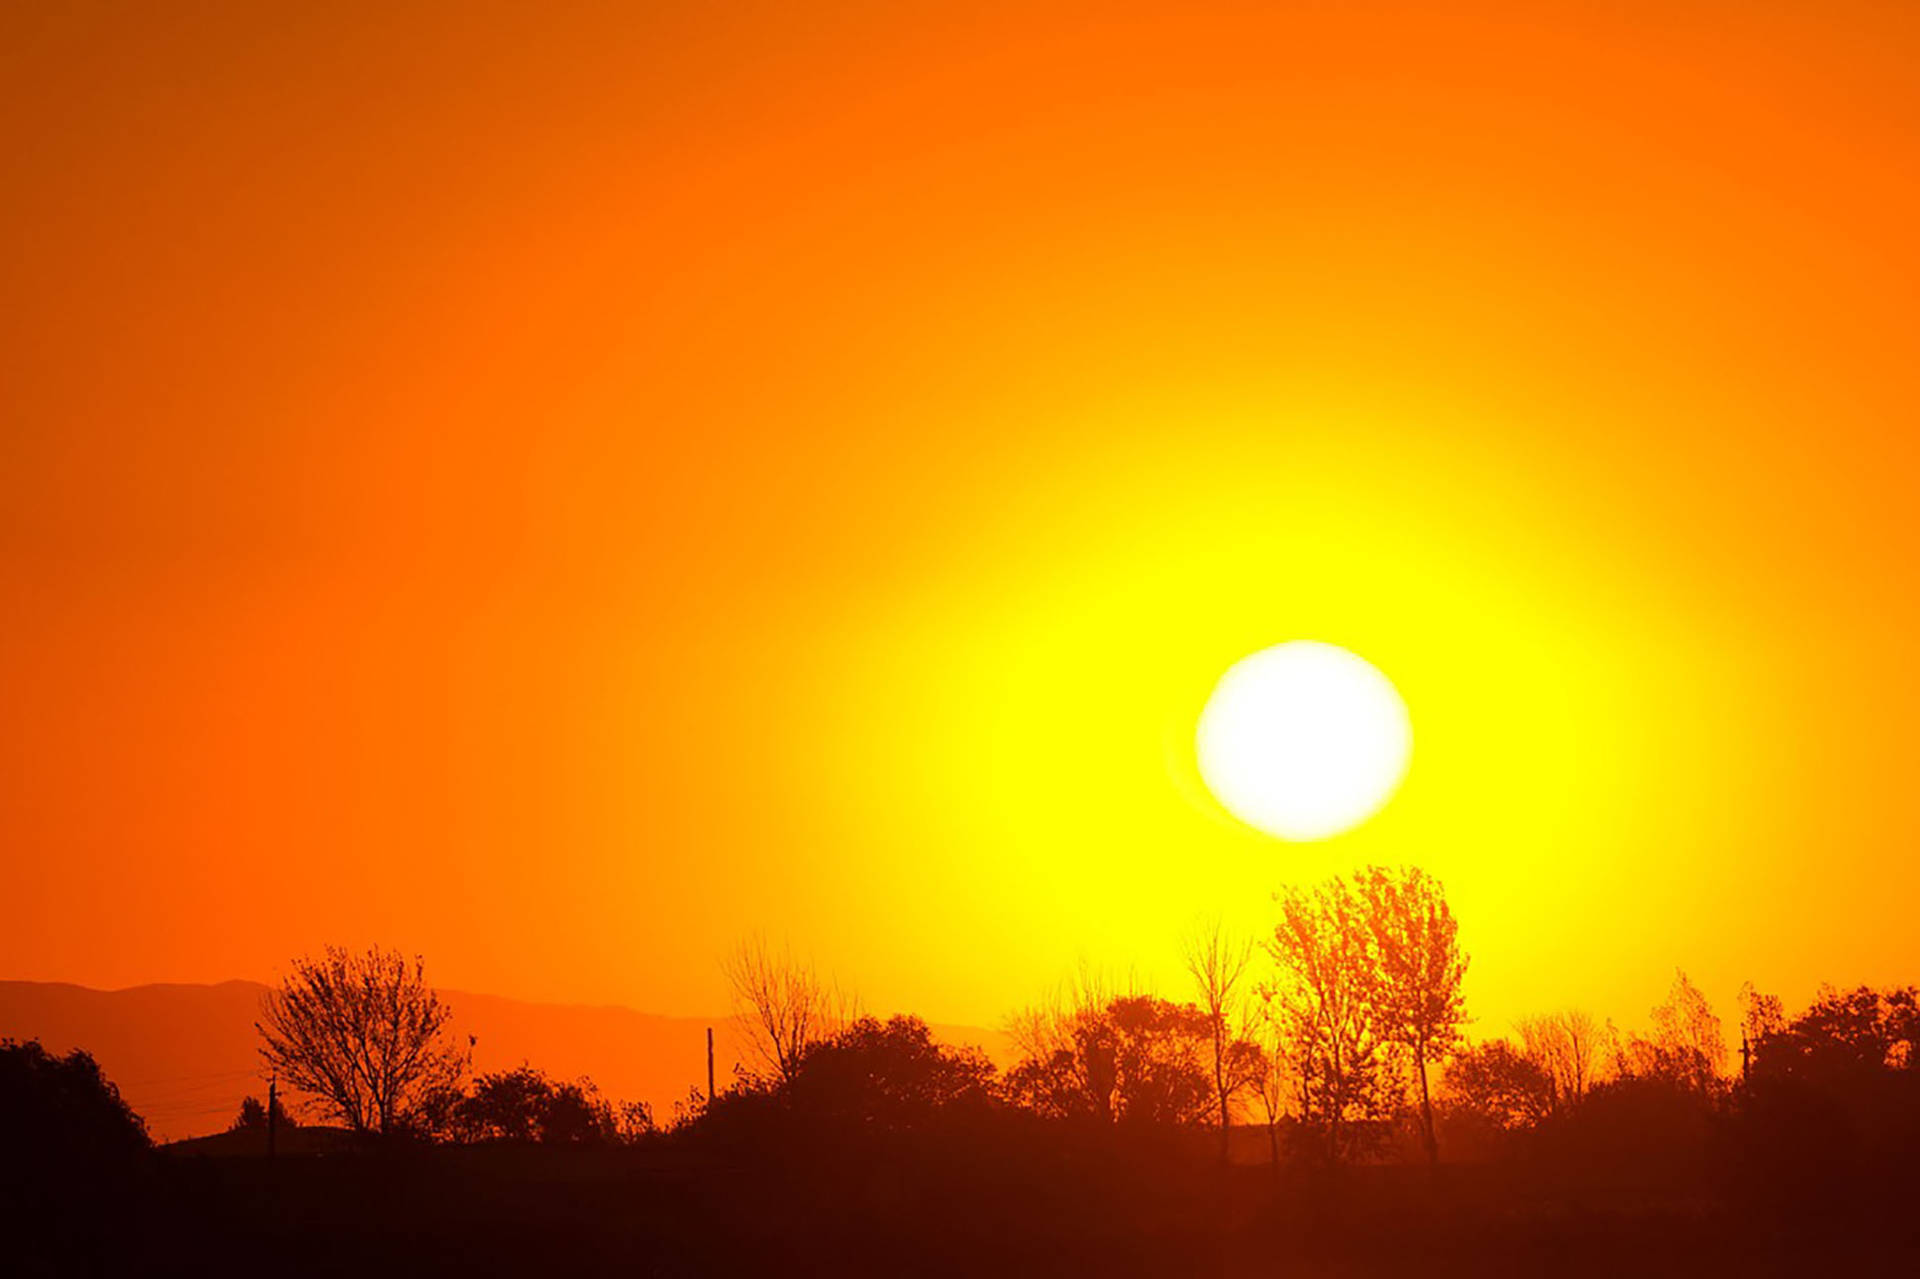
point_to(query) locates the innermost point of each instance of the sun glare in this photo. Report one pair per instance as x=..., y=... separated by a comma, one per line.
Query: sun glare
x=1303, y=740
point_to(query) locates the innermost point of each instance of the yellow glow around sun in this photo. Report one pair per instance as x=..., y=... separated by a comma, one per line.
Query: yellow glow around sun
x=1041, y=691
x=1303, y=740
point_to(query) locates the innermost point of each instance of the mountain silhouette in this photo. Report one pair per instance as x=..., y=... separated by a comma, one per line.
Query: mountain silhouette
x=184, y=1055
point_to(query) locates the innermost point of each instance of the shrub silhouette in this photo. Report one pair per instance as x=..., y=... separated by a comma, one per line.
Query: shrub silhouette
x=1830, y=1108
x=888, y=1074
x=253, y=1116
x=523, y=1105
x=871, y=1079
x=72, y=1153
x=1136, y=1061
x=1498, y=1086
x=60, y=1111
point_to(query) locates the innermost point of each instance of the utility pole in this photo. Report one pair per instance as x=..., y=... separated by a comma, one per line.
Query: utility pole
x=709, y=1065
x=273, y=1110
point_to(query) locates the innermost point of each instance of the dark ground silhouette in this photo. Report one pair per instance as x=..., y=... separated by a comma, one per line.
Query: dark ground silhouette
x=884, y=1154
x=868, y=1147
x=1012, y=1201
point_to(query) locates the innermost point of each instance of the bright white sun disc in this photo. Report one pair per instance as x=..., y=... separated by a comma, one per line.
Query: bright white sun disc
x=1303, y=740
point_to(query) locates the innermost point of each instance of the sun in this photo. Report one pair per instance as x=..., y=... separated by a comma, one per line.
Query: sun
x=1303, y=740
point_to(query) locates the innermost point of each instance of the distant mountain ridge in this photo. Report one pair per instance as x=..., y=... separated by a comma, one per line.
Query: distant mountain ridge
x=184, y=1055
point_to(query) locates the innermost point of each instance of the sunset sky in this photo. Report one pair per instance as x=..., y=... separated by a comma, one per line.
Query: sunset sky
x=560, y=488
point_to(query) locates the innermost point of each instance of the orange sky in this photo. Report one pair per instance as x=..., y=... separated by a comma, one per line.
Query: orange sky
x=559, y=488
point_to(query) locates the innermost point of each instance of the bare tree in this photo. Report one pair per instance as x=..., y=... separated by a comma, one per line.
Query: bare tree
x=1067, y=1060
x=1687, y=1023
x=1279, y=1079
x=1566, y=1047
x=1218, y=965
x=783, y=1004
x=1686, y=1047
x=364, y=1036
x=1044, y=1028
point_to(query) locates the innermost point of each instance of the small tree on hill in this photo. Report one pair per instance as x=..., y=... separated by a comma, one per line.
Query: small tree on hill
x=253, y=1116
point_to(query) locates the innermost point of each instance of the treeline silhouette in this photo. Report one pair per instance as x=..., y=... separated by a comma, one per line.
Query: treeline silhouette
x=1314, y=1107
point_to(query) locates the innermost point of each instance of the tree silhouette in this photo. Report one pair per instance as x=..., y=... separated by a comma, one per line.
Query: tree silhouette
x=1761, y=1016
x=577, y=1115
x=365, y=1036
x=1686, y=1025
x=1218, y=966
x=1138, y=1060
x=1686, y=1047
x=888, y=1075
x=253, y=1116
x=852, y=1096
x=1852, y=1033
x=1161, y=1053
x=505, y=1105
x=1065, y=1068
x=59, y=1109
x=1279, y=1082
x=524, y=1105
x=1834, y=1089
x=634, y=1120
x=1854, y=1055
x=1566, y=1047
x=1070, y=1070
x=782, y=1004
x=72, y=1155
x=1324, y=1004
x=1500, y=1085
x=1417, y=970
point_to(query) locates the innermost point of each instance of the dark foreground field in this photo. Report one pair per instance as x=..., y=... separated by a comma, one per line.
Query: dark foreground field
x=890, y=1207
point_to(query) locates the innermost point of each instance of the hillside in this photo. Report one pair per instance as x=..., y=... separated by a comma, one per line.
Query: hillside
x=184, y=1055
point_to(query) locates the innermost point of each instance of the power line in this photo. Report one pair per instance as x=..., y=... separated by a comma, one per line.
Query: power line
x=189, y=1078
x=212, y=1088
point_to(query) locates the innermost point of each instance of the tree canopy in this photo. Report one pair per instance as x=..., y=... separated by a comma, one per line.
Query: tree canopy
x=365, y=1037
